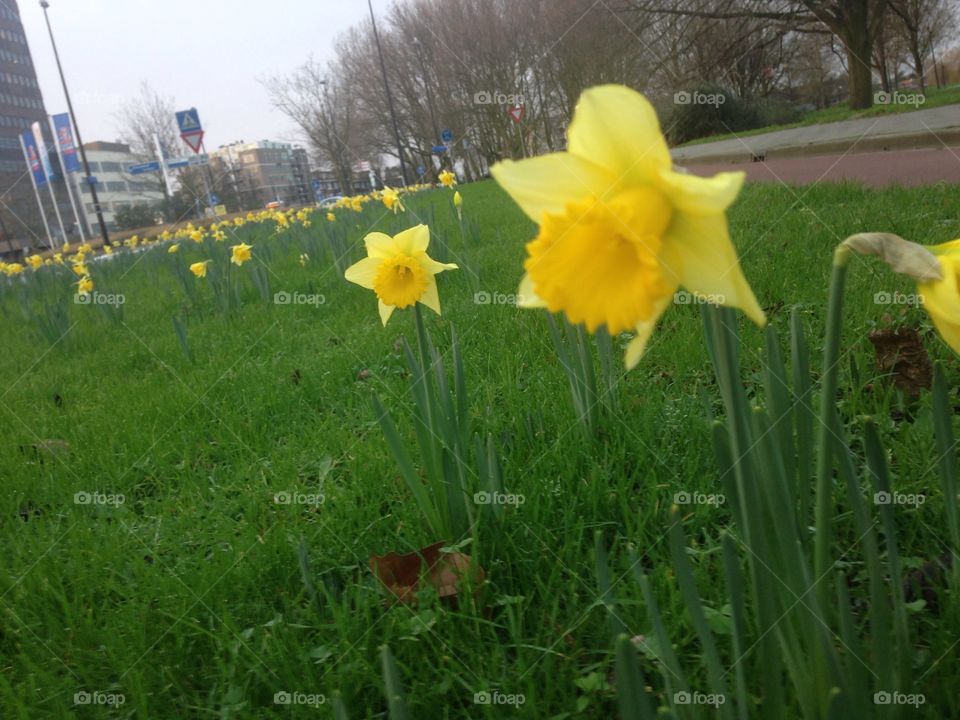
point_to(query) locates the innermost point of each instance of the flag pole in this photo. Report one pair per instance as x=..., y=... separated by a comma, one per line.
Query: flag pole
x=66, y=180
x=36, y=192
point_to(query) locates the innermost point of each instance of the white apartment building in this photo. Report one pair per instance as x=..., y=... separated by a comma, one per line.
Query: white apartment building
x=116, y=188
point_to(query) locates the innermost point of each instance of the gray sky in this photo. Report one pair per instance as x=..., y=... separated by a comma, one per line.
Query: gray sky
x=203, y=53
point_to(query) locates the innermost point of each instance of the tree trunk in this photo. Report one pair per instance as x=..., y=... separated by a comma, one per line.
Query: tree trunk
x=859, y=50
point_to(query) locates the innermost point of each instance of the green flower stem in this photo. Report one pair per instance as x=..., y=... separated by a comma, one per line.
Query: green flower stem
x=826, y=431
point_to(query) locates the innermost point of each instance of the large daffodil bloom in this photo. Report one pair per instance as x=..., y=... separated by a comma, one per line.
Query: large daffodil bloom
x=399, y=270
x=941, y=298
x=620, y=229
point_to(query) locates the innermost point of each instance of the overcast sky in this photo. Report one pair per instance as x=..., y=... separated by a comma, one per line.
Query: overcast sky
x=203, y=53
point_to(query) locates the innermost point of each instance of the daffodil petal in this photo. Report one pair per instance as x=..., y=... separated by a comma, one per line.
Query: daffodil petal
x=526, y=296
x=701, y=196
x=379, y=245
x=385, y=311
x=363, y=272
x=638, y=345
x=941, y=300
x=433, y=267
x=617, y=128
x=413, y=241
x=547, y=183
x=947, y=247
x=430, y=297
x=697, y=254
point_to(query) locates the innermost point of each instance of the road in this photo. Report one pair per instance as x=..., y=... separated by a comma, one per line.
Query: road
x=931, y=128
x=876, y=169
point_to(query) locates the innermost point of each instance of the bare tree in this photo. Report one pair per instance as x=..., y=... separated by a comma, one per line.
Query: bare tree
x=923, y=24
x=317, y=100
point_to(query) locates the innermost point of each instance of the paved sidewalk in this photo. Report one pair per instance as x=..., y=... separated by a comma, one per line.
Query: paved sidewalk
x=934, y=128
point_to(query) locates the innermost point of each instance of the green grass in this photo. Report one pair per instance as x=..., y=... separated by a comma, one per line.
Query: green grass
x=935, y=97
x=189, y=598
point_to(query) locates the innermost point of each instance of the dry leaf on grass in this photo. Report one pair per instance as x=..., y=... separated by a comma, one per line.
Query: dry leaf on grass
x=446, y=573
x=900, y=353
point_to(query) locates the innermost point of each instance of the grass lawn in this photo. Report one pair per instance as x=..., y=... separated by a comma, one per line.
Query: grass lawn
x=189, y=597
x=935, y=97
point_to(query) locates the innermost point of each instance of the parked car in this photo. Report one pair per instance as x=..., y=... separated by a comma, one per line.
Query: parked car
x=330, y=201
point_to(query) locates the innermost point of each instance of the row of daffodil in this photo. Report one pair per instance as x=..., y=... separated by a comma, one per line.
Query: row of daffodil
x=77, y=257
x=621, y=230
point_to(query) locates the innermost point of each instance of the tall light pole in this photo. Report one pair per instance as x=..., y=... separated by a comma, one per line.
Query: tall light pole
x=76, y=128
x=386, y=86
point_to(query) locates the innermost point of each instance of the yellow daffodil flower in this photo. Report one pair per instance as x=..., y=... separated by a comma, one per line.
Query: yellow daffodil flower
x=84, y=285
x=197, y=236
x=391, y=199
x=620, y=229
x=80, y=269
x=108, y=250
x=399, y=270
x=239, y=254
x=173, y=248
x=200, y=268
x=458, y=204
x=35, y=261
x=331, y=217
x=447, y=178
x=12, y=269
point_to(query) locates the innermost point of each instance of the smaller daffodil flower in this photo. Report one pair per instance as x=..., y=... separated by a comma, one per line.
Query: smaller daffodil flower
x=447, y=178
x=399, y=270
x=239, y=254
x=107, y=250
x=331, y=217
x=391, y=199
x=173, y=248
x=304, y=259
x=200, y=268
x=35, y=261
x=80, y=268
x=84, y=285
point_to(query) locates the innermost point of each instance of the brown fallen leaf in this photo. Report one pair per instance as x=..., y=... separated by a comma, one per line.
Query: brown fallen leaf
x=402, y=575
x=900, y=352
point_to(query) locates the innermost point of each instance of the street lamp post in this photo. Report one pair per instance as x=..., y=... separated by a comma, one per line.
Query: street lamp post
x=76, y=128
x=386, y=87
